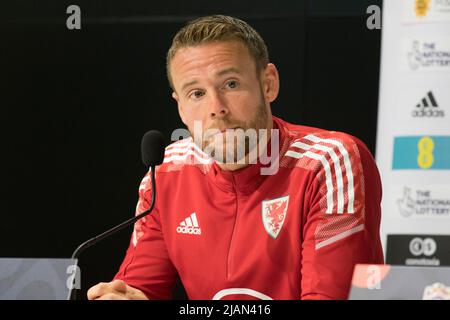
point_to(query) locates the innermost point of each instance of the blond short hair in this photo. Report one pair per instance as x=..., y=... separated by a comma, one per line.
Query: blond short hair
x=219, y=28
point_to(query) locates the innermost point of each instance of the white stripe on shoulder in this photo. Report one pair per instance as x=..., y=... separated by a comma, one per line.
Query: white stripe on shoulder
x=184, y=146
x=328, y=177
x=337, y=169
x=348, y=168
x=180, y=143
x=184, y=157
x=179, y=152
x=176, y=150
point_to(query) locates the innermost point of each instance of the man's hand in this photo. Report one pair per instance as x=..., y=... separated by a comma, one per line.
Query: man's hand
x=115, y=290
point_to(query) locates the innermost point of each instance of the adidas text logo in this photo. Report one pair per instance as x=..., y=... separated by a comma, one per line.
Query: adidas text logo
x=190, y=225
x=428, y=107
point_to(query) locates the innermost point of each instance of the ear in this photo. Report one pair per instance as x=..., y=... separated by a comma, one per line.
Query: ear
x=271, y=82
x=180, y=107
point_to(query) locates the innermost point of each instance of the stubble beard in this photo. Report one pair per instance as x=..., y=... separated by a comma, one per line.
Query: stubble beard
x=242, y=139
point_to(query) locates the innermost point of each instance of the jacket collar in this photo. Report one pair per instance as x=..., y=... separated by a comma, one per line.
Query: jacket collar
x=247, y=179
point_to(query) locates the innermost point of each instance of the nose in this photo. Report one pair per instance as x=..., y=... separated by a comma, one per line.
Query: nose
x=218, y=108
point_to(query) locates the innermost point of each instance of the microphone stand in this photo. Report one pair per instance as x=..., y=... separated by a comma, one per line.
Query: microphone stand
x=115, y=229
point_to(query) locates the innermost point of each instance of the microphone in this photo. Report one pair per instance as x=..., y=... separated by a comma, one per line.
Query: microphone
x=152, y=148
x=152, y=151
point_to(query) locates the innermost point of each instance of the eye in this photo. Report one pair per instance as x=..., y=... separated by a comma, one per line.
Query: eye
x=197, y=94
x=232, y=84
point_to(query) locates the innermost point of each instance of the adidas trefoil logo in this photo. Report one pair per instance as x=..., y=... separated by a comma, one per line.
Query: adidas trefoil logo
x=190, y=225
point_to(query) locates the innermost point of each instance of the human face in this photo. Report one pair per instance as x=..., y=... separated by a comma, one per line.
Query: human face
x=217, y=85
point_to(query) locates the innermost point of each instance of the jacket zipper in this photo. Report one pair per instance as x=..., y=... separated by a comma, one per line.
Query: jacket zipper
x=231, y=247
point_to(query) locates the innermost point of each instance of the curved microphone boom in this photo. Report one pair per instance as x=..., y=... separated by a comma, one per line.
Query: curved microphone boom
x=152, y=149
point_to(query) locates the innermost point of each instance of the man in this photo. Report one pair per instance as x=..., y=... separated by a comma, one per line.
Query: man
x=225, y=228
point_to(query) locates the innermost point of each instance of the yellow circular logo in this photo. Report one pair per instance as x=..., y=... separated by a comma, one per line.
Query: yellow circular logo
x=422, y=7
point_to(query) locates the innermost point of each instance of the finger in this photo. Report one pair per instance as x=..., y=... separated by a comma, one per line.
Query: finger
x=119, y=286
x=96, y=291
x=112, y=296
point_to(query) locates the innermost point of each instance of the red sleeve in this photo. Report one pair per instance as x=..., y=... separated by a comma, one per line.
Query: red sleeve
x=147, y=266
x=341, y=227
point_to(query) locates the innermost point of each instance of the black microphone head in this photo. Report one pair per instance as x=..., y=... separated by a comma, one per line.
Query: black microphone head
x=152, y=148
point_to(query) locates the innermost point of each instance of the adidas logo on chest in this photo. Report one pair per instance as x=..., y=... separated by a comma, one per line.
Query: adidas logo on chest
x=190, y=225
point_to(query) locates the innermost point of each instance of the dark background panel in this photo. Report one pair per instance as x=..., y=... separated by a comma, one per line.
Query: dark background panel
x=346, y=8
x=342, y=67
x=75, y=105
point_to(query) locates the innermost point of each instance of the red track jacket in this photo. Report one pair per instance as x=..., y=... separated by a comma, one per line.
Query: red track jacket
x=296, y=234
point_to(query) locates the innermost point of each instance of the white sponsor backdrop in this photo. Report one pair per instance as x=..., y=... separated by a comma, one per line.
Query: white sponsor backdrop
x=425, y=11
x=415, y=103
